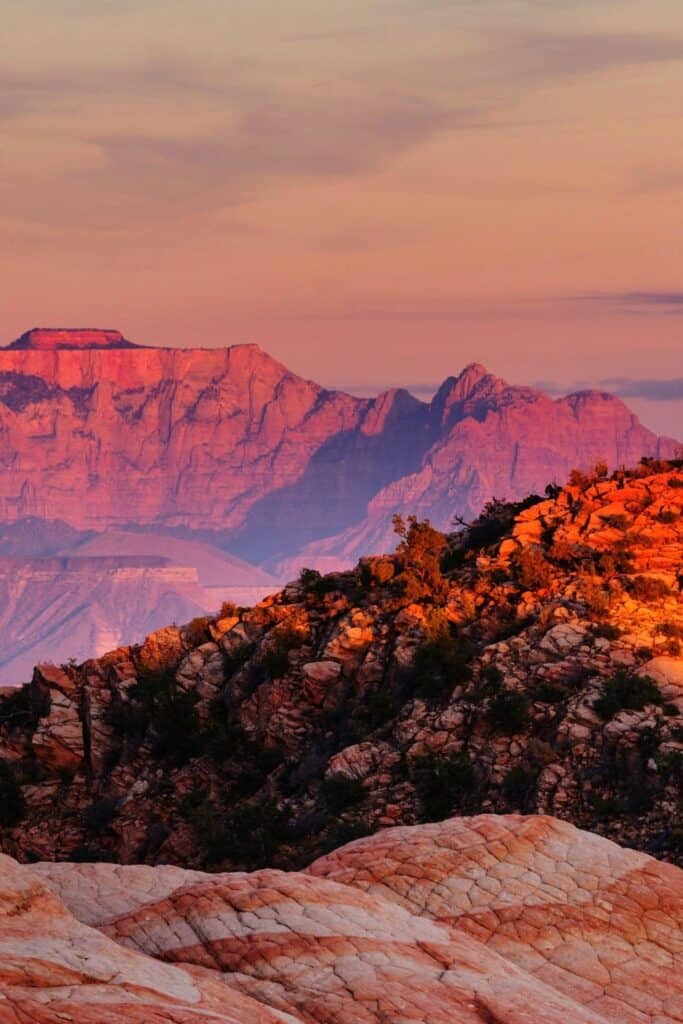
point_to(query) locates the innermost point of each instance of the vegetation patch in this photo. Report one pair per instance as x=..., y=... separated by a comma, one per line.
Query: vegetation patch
x=12, y=804
x=626, y=692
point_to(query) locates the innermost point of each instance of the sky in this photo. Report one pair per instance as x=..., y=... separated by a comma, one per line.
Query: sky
x=377, y=192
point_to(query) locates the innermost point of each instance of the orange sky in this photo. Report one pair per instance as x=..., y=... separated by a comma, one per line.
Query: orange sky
x=376, y=191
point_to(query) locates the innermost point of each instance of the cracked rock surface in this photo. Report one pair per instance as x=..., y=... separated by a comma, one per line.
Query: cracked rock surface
x=501, y=920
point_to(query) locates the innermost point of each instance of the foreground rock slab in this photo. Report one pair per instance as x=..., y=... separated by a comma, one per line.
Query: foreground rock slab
x=507, y=919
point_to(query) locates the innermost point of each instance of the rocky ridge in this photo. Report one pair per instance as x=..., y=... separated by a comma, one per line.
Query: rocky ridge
x=488, y=920
x=530, y=662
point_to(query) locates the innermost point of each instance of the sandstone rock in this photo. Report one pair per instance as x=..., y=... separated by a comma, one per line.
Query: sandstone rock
x=517, y=920
x=601, y=925
x=55, y=969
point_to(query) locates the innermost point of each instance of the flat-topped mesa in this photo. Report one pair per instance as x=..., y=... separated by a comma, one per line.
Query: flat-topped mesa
x=46, y=339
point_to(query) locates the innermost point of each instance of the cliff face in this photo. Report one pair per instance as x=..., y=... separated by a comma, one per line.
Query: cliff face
x=99, y=433
x=531, y=663
x=471, y=921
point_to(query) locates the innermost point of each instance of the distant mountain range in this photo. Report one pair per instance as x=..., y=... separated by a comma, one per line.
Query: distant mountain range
x=230, y=449
x=68, y=595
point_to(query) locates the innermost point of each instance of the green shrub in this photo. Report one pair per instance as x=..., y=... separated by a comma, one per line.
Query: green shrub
x=100, y=813
x=249, y=835
x=346, y=831
x=618, y=521
x=235, y=659
x=508, y=712
x=340, y=791
x=606, y=631
x=626, y=692
x=443, y=784
x=533, y=569
x=276, y=662
x=418, y=557
x=649, y=588
x=518, y=787
x=439, y=667
x=197, y=632
x=171, y=713
x=12, y=804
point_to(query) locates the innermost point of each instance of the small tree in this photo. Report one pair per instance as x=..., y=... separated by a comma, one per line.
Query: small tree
x=419, y=556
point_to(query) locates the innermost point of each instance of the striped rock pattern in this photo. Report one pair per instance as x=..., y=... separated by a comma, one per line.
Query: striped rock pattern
x=503, y=920
x=601, y=924
x=54, y=969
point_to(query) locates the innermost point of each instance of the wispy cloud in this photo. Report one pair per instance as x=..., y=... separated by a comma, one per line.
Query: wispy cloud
x=656, y=390
x=262, y=132
x=653, y=389
x=556, y=55
x=638, y=303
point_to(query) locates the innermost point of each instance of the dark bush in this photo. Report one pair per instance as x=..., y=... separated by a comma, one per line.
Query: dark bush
x=275, y=661
x=309, y=578
x=518, y=787
x=197, y=632
x=340, y=791
x=100, y=813
x=12, y=804
x=275, y=658
x=346, y=831
x=508, y=712
x=649, y=588
x=169, y=712
x=493, y=524
x=249, y=835
x=619, y=521
x=439, y=666
x=667, y=516
x=235, y=659
x=626, y=692
x=18, y=711
x=443, y=784
x=606, y=631
x=228, y=610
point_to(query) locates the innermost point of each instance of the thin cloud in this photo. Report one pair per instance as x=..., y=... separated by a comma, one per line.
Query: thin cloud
x=638, y=303
x=275, y=138
x=653, y=389
x=262, y=136
x=559, y=55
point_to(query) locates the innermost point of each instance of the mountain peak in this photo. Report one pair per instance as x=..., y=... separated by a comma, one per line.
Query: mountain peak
x=50, y=339
x=461, y=388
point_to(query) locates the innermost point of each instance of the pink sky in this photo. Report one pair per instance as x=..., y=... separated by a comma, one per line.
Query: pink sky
x=375, y=191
